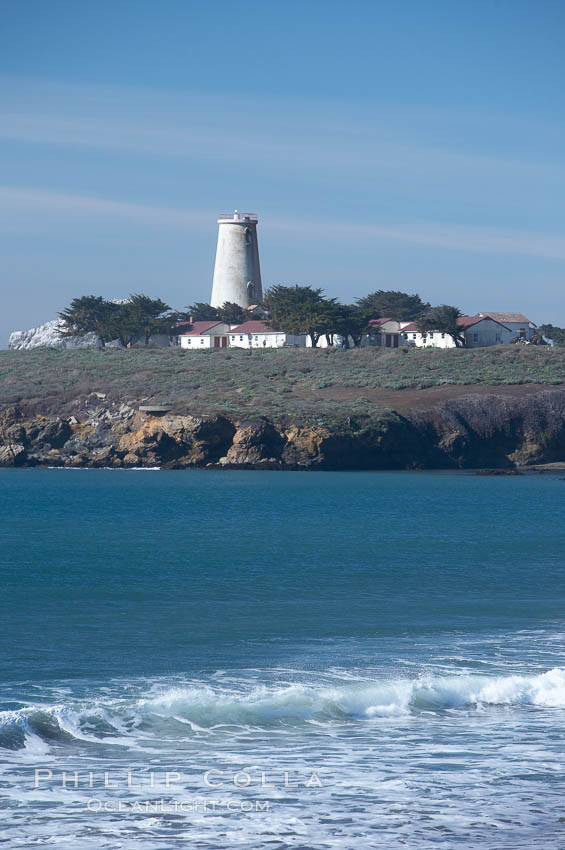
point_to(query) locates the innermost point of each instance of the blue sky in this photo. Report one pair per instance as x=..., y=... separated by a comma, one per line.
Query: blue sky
x=406, y=145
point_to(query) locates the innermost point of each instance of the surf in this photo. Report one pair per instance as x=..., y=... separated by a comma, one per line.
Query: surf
x=181, y=711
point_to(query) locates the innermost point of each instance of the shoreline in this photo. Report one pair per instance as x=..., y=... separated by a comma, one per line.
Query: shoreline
x=538, y=469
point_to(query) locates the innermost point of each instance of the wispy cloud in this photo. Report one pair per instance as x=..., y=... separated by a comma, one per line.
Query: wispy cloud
x=135, y=137
x=14, y=199
x=277, y=133
x=300, y=142
x=451, y=237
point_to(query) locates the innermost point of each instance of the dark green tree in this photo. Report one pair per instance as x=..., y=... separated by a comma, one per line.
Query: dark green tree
x=351, y=323
x=142, y=317
x=553, y=332
x=393, y=304
x=444, y=319
x=138, y=318
x=232, y=313
x=202, y=312
x=299, y=310
x=89, y=314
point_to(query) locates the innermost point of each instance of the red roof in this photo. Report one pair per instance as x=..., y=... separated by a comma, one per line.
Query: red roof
x=378, y=322
x=468, y=321
x=507, y=317
x=462, y=321
x=253, y=327
x=199, y=328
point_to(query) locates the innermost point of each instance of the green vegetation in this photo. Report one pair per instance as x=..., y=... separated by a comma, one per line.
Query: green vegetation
x=297, y=384
x=229, y=312
x=138, y=318
x=393, y=304
x=444, y=319
x=292, y=309
x=553, y=332
x=303, y=310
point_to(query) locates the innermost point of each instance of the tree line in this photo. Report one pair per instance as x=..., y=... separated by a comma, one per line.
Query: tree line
x=137, y=318
x=305, y=310
x=298, y=309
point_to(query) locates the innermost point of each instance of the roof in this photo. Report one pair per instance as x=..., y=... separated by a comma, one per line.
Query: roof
x=467, y=321
x=507, y=317
x=199, y=328
x=254, y=326
x=380, y=321
x=462, y=321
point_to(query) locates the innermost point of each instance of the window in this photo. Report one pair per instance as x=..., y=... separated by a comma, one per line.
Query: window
x=202, y=341
x=256, y=338
x=414, y=336
x=498, y=338
x=189, y=342
x=241, y=337
x=443, y=336
x=233, y=337
x=475, y=337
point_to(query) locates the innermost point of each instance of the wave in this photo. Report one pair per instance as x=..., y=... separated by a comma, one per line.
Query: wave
x=361, y=700
x=182, y=711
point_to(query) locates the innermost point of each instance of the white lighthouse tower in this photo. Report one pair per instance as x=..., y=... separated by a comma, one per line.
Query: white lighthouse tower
x=237, y=276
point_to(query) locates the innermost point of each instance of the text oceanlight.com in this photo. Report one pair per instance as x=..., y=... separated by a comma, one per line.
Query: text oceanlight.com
x=200, y=805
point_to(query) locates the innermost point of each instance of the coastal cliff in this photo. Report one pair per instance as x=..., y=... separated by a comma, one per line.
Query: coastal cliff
x=468, y=432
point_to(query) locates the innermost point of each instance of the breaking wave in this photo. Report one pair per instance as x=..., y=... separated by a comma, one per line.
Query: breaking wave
x=181, y=711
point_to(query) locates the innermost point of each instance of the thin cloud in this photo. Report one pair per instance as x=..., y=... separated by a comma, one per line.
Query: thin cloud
x=14, y=199
x=298, y=143
x=452, y=237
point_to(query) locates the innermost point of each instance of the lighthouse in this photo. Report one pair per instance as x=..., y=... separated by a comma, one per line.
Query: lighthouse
x=237, y=276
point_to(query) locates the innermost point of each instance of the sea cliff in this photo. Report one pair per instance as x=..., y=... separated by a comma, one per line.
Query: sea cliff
x=468, y=432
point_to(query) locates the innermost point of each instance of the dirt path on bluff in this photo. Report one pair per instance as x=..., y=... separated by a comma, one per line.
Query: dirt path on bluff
x=414, y=399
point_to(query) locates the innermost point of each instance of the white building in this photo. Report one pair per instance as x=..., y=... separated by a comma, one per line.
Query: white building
x=523, y=328
x=480, y=332
x=386, y=333
x=205, y=335
x=256, y=334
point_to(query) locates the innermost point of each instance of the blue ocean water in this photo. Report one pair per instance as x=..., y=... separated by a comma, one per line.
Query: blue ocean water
x=281, y=660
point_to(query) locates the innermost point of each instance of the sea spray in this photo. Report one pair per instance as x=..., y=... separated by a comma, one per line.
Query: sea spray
x=181, y=711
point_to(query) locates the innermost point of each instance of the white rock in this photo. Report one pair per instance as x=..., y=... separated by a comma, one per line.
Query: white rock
x=49, y=336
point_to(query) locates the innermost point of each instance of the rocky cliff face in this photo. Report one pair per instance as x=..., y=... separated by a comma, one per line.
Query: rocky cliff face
x=49, y=336
x=466, y=433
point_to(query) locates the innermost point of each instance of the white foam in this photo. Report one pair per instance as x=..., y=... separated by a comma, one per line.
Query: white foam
x=207, y=707
x=204, y=709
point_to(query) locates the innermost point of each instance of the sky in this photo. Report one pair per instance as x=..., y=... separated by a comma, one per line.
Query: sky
x=383, y=145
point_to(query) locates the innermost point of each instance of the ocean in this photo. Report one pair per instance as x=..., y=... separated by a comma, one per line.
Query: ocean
x=270, y=660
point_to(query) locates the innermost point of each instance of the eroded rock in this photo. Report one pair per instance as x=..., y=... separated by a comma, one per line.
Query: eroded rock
x=468, y=433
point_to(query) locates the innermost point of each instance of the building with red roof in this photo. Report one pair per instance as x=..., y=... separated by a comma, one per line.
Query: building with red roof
x=258, y=334
x=479, y=332
x=523, y=327
x=203, y=335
